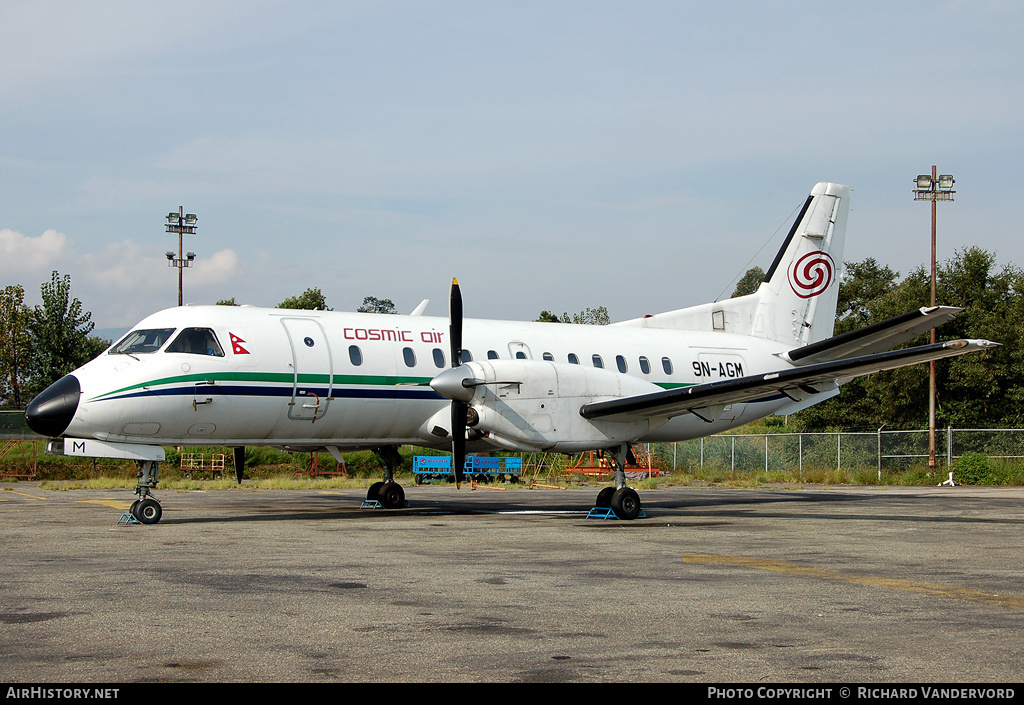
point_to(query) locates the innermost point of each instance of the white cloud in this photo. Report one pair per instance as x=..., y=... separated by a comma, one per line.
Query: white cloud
x=22, y=254
x=215, y=270
x=122, y=267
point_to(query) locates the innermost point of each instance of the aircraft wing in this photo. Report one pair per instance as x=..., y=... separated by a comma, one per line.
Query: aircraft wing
x=874, y=338
x=707, y=400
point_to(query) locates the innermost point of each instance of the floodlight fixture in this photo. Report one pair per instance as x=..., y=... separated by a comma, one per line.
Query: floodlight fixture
x=183, y=224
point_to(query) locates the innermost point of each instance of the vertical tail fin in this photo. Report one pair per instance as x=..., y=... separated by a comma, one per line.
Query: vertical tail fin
x=796, y=302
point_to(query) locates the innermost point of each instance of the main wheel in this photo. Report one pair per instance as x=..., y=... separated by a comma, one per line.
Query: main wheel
x=604, y=498
x=374, y=490
x=626, y=503
x=149, y=511
x=391, y=495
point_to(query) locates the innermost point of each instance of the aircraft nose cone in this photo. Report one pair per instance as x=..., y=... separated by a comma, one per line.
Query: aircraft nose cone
x=50, y=413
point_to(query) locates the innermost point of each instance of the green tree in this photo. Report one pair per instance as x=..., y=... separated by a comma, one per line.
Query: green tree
x=749, y=282
x=14, y=345
x=863, y=283
x=371, y=304
x=589, y=316
x=976, y=390
x=309, y=300
x=59, y=331
x=231, y=302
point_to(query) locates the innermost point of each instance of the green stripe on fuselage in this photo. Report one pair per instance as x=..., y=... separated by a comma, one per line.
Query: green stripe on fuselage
x=289, y=379
x=272, y=378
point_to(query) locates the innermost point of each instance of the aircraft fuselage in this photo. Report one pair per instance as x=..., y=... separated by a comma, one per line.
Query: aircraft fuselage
x=352, y=380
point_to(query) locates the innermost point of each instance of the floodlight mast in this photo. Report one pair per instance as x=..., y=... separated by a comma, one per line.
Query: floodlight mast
x=183, y=224
x=933, y=188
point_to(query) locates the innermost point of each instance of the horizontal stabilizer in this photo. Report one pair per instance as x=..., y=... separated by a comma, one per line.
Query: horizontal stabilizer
x=874, y=338
x=794, y=383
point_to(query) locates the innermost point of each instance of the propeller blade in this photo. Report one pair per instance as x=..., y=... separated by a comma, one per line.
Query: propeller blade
x=455, y=323
x=239, y=462
x=459, y=408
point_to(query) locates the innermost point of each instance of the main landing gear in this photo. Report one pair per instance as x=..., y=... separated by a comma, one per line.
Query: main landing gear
x=622, y=500
x=389, y=493
x=146, y=509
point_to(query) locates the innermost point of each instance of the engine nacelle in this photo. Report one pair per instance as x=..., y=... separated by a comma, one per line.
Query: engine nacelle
x=532, y=405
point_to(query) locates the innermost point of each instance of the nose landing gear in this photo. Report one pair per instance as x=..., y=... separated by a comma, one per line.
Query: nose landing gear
x=147, y=509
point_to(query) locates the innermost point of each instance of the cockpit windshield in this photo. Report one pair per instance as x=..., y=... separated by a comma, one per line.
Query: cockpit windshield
x=147, y=340
x=196, y=341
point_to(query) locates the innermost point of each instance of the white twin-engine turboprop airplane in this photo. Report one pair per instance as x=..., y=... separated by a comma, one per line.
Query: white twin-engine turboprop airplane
x=308, y=380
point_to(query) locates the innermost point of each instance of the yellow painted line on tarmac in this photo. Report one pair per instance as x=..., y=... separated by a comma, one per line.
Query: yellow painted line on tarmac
x=112, y=503
x=956, y=593
x=22, y=494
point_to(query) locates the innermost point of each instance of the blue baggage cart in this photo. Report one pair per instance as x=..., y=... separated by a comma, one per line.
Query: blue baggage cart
x=483, y=469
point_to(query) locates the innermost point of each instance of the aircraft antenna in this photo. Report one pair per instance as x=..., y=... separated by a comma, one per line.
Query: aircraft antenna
x=787, y=220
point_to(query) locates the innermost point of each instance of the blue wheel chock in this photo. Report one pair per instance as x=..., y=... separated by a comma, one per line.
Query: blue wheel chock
x=126, y=519
x=609, y=513
x=371, y=504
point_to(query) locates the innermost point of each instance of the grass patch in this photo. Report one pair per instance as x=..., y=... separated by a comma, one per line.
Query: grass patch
x=270, y=468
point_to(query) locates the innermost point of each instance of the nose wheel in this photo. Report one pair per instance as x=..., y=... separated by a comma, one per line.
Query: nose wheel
x=146, y=509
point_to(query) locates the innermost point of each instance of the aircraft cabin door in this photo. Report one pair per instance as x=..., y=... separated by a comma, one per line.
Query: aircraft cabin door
x=312, y=369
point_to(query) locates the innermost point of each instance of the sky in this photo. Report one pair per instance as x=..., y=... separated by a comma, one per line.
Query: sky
x=551, y=155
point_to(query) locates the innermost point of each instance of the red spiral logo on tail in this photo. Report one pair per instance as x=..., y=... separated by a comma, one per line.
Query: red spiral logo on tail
x=812, y=274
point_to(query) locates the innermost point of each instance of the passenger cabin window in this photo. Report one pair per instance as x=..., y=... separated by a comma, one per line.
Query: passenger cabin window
x=598, y=362
x=620, y=362
x=410, y=357
x=645, y=365
x=196, y=341
x=467, y=356
x=492, y=355
x=148, y=340
x=549, y=357
x=355, y=355
x=438, y=358
x=666, y=365
x=573, y=359
x=520, y=355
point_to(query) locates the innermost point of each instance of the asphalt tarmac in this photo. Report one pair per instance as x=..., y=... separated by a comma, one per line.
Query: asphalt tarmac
x=877, y=585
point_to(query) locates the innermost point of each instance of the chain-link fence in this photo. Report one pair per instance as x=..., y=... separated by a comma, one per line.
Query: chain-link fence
x=19, y=446
x=880, y=450
x=13, y=426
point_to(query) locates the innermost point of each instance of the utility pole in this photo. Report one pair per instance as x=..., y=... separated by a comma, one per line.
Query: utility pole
x=933, y=188
x=183, y=224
